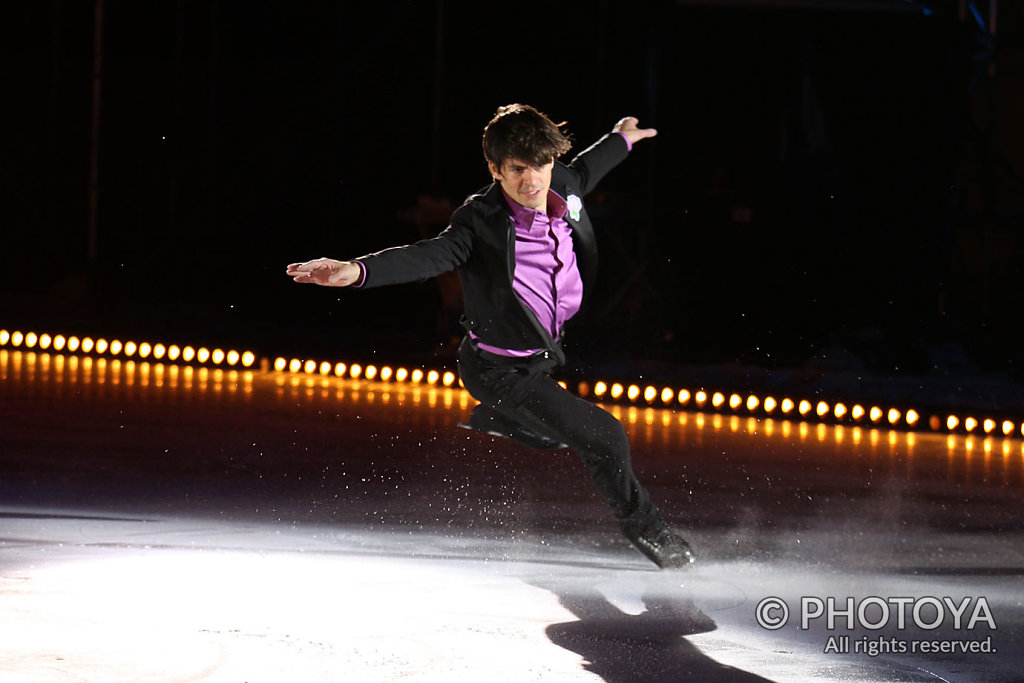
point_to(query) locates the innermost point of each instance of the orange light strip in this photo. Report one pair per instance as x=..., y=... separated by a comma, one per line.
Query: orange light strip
x=60, y=343
x=750, y=404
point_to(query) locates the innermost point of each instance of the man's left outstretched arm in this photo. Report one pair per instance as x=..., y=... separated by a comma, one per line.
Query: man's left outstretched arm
x=594, y=162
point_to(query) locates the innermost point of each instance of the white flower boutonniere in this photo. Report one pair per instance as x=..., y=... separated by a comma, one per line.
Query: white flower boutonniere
x=574, y=204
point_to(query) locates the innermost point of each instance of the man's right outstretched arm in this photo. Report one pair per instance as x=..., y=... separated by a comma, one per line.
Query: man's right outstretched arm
x=326, y=272
x=409, y=263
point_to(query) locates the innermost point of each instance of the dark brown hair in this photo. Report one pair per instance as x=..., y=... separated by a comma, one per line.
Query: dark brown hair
x=519, y=131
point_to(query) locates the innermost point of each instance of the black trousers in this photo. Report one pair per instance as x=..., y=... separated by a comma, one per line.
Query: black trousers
x=523, y=390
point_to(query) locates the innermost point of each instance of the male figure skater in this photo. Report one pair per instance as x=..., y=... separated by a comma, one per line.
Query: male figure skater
x=525, y=252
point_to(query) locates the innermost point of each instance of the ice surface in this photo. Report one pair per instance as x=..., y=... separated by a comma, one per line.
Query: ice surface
x=265, y=527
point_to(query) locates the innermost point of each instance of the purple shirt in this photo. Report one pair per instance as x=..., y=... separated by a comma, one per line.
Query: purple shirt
x=546, y=278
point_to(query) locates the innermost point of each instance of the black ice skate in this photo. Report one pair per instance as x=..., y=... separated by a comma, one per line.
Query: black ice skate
x=661, y=545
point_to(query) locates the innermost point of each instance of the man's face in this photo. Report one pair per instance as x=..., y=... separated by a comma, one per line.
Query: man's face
x=525, y=184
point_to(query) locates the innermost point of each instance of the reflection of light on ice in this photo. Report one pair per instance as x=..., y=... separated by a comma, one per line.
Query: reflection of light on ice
x=164, y=615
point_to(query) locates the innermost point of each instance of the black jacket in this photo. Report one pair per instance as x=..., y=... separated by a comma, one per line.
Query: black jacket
x=480, y=244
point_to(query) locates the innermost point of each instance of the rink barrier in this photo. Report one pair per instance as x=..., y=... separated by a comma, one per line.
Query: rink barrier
x=697, y=399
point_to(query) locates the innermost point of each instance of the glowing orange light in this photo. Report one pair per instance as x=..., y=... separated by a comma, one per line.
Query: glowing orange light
x=1007, y=427
x=988, y=425
x=952, y=422
x=203, y=354
x=73, y=344
x=188, y=354
x=650, y=393
x=44, y=341
x=912, y=417
x=417, y=375
x=217, y=356
x=145, y=349
x=857, y=412
x=822, y=409
x=804, y=407
x=102, y=345
x=326, y=367
x=88, y=345
x=717, y=399
x=632, y=392
x=433, y=376
x=770, y=404
x=59, y=342
x=17, y=338
x=295, y=365
x=600, y=389
x=355, y=370
x=5, y=337
x=893, y=416
x=617, y=390
x=370, y=372
x=401, y=374
x=386, y=373
x=339, y=369
x=583, y=389
x=248, y=358
x=448, y=378
x=667, y=395
x=875, y=414
x=700, y=397
x=753, y=402
x=116, y=347
x=684, y=396
x=130, y=348
x=233, y=357
x=787, y=405
x=735, y=401
x=30, y=339
x=970, y=424
x=280, y=364
x=173, y=352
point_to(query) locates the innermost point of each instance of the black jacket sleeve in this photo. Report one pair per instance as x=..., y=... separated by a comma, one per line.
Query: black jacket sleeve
x=593, y=163
x=422, y=260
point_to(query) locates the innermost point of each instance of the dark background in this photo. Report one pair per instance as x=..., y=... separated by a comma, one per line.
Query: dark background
x=834, y=181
